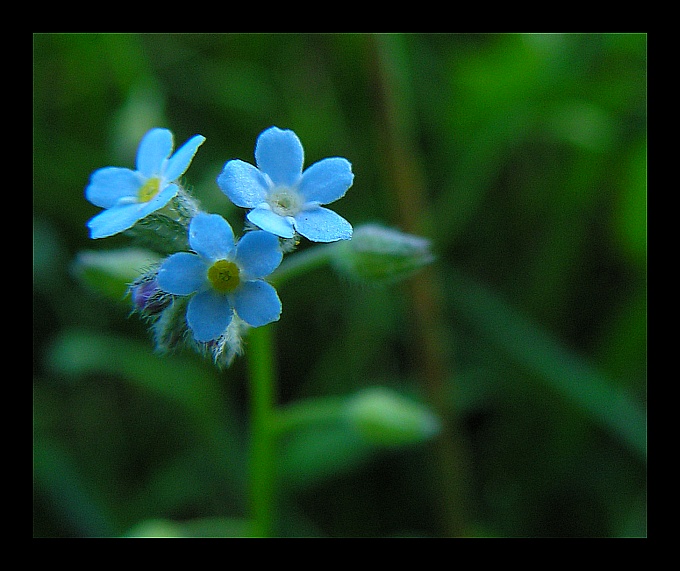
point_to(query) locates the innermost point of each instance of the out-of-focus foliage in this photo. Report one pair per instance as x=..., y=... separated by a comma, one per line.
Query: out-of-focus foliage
x=521, y=157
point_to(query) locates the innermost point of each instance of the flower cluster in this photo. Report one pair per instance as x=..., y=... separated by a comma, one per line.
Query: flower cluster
x=212, y=287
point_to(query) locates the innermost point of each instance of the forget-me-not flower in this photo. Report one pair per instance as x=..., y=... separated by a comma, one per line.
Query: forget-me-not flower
x=283, y=199
x=130, y=195
x=224, y=277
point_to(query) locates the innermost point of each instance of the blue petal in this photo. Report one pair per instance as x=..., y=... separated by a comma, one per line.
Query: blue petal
x=154, y=148
x=243, y=184
x=208, y=315
x=211, y=236
x=257, y=303
x=182, y=273
x=327, y=180
x=180, y=161
x=258, y=254
x=279, y=154
x=322, y=225
x=110, y=184
x=264, y=218
x=114, y=220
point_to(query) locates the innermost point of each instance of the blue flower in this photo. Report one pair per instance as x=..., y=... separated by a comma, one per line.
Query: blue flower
x=225, y=276
x=130, y=195
x=283, y=199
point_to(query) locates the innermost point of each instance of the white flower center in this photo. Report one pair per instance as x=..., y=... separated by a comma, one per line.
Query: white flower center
x=285, y=201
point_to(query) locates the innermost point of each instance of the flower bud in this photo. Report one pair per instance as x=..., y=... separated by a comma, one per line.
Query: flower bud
x=147, y=297
x=381, y=255
x=387, y=418
x=168, y=326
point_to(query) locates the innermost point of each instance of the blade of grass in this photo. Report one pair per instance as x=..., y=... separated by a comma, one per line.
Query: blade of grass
x=599, y=397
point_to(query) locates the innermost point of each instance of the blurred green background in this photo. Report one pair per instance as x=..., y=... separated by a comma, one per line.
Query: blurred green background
x=522, y=157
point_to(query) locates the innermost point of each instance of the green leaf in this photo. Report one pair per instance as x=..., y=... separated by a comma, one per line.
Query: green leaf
x=79, y=352
x=321, y=437
x=80, y=503
x=319, y=452
x=111, y=272
x=184, y=381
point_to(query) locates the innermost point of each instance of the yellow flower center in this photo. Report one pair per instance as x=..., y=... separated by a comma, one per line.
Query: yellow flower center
x=224, y=276
x=149, y=190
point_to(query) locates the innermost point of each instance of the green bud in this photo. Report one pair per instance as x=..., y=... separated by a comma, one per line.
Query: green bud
x=155, y=528
x=387, y=418
x=169, y=326
x=166, y=230
x=201, y=527
x=381, y=255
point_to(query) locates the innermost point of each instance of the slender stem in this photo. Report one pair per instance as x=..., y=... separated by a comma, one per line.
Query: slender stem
x=311, y=258
x=414, y=215
x=262, y=377
x=307, y=412
x=261, y=370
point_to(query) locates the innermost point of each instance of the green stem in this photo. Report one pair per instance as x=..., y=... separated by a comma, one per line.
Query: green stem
x=302, y=262
x=265, y=424
x=306, y=413
x=261, y=370
x=415, y=216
